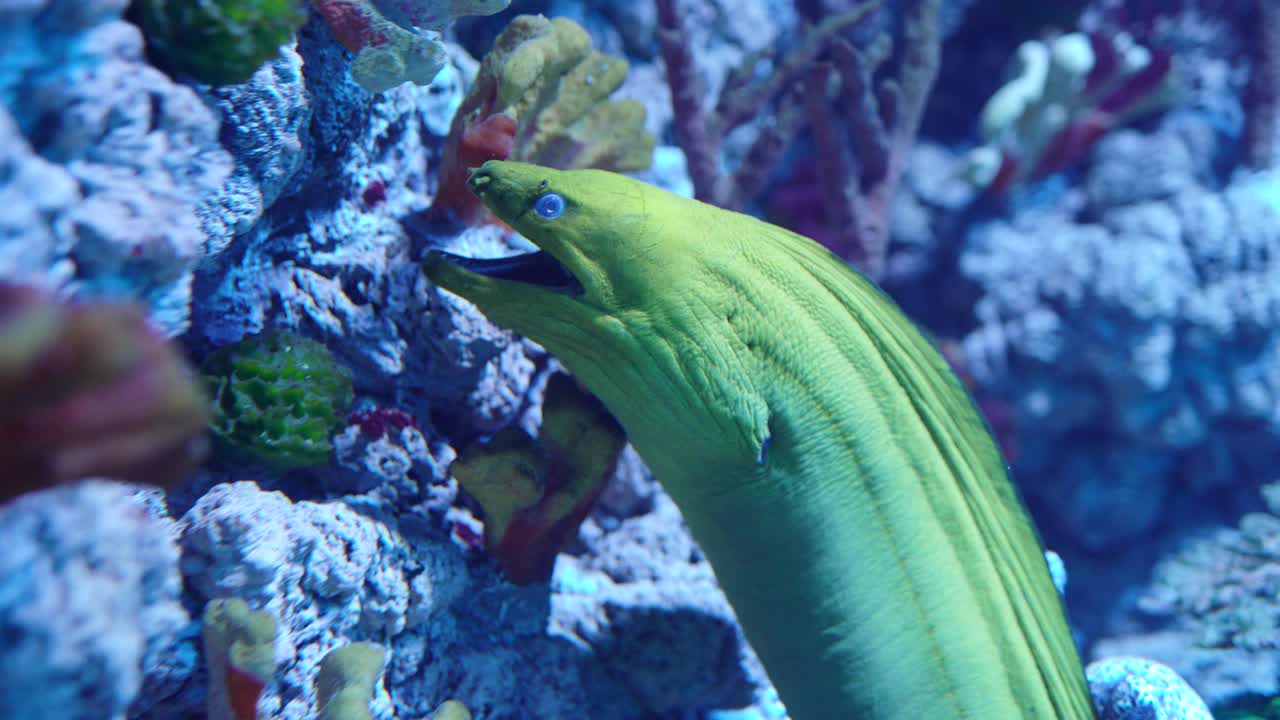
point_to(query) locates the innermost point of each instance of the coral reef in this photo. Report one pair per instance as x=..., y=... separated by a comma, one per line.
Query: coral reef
x=91, y=390
x=393, y=457
x=122, y=155
x=541, y=96
x=360, y=570
x=265, y=121
x=324, y=571
x=863, y=123
x=240, y=650
x=702, y=132
x=1063, y=95
x=1127, y=329
x=1212, y=608
x=219, y=42
x=385, y=38
x=640, y=594
x=1182, y=273
x=313, y=254
x=278, y=397
x=90, y=601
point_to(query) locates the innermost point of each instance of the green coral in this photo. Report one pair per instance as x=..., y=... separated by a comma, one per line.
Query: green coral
x=1261, y=710
x=278, y=398
x=346, y=681
x=219, y=42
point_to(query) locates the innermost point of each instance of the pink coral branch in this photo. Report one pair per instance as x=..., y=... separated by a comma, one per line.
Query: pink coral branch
x=863, y=138
x=700, y=143
x=701, y=132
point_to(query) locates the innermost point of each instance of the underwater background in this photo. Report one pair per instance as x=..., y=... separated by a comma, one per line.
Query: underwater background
x=347, y=494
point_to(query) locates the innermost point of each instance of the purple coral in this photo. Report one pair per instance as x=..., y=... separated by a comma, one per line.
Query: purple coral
x=378, y=422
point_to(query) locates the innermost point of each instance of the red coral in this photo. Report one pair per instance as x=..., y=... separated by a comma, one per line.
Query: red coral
x=352, y=24
x=377, y=423
x=91, y=390
x=1112, y=96
x=374, y=193
x=1066, y=147
x=535, y=493
x=243, y=690
x=490, y=137
x=534, y=536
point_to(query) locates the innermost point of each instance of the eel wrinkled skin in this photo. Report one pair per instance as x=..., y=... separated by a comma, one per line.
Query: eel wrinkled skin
x=835, y=472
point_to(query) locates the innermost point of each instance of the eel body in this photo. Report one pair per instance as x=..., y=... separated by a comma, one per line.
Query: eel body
x=837, y=475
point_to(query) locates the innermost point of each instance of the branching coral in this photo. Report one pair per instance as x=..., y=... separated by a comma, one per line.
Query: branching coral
x=863, y=132
x=219, y=42
x=387, y=38
x=91, y=390
x=278, y=398
x=541, y=96
x=862, y=129
x=701, y=131
x=1063, y=95
x=535, y=494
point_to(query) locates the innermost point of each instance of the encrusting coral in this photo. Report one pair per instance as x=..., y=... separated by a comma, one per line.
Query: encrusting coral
x=278, y=397
x=1212, y=609
x=863, y=106
x=535, y=494
x=91, y=390
x=387, y=36
x=541, y=96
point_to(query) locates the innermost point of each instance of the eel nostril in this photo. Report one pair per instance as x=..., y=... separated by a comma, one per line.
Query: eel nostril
x=478, y=179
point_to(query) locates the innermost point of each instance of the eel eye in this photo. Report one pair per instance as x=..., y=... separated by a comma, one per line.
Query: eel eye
x=549, y=206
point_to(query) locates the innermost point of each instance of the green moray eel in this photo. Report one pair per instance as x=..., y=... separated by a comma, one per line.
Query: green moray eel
x=835, y=472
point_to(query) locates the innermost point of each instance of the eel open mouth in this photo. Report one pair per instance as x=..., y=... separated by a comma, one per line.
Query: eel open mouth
x=538, y=268
x=535, y=268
